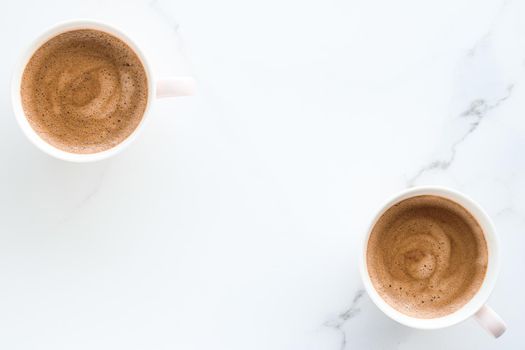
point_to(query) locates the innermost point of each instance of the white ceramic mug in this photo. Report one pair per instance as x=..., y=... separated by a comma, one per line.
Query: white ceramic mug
x=167, y=87
x=476, y=307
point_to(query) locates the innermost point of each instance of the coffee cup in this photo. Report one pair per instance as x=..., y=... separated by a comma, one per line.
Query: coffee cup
x=156, y=88
x=476, y=307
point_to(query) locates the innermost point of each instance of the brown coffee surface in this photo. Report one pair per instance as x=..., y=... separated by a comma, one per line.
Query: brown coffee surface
x=427, y=256
x=84, y=91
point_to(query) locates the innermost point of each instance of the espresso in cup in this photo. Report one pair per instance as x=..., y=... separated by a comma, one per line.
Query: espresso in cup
x=427, y=256
x=84, y=91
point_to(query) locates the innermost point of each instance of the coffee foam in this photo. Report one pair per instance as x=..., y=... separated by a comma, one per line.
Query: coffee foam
x=427, y=256
x=84, y=91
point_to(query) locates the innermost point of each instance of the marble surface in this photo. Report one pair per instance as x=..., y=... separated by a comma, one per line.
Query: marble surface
x=234, y=221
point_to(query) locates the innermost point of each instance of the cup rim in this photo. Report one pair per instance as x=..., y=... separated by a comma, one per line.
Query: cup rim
x=16, y=81
x=489, y=281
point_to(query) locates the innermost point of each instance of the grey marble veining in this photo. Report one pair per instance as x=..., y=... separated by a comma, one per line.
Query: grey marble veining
x=346, y=315
x=474, y=115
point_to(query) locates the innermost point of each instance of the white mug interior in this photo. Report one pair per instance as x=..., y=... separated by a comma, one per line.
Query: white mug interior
x=479, y=299
x=31, y=134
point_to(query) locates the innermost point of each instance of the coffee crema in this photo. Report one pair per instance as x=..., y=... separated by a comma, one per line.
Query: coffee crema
x=84, y=91
x=427, y=256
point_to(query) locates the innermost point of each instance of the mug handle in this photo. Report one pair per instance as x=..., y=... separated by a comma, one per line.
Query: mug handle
x=175, y=86
x=491, y=321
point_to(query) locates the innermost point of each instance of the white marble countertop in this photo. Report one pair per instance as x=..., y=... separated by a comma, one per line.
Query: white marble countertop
x=234, y=221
